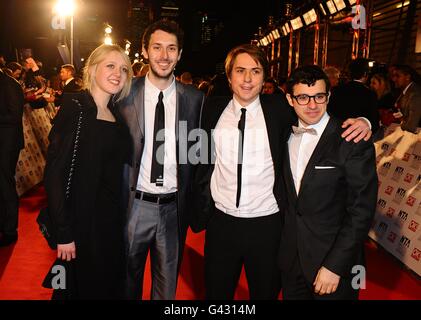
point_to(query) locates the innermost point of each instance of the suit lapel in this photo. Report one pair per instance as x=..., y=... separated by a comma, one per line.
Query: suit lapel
x=272, y=129
x=289, y=180
x=139, y=107
x=322, y=147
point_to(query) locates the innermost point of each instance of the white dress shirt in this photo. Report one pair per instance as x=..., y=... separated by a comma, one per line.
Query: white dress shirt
x=258, y=176
x=301, y=147
x=170, y=159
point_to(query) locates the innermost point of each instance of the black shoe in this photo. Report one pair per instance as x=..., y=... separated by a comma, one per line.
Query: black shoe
x=7, y=240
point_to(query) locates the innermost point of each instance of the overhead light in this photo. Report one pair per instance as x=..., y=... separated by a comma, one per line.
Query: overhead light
x=296, y=23
x=310, y=17
x=377, y=14
x=275, y=34
x=287, y=28
x=400, y=5
x=270, y=37
x=331, y=7
x=352, y=2
x=322, y=8
x=340, y=4
x=371, y=64
x=265, y=42
x=108, y=41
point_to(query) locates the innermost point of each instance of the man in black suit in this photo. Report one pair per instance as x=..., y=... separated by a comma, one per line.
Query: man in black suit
x=355, y=99
x=11, y=142
x=332, y=190
x=68, y=81
x=238, y=195
x=159, y=179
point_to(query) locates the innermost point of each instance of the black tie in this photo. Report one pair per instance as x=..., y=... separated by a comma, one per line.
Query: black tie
x=241, y=126
x=157, y=168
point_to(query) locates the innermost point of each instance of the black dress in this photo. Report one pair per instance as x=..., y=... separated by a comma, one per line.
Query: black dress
x=103, y=256
x=94, y=216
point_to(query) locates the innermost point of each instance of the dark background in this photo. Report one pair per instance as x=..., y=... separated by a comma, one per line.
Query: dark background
x=27, y=24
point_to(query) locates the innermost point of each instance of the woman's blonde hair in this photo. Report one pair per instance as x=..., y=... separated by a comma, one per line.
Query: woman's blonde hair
x=96, y=57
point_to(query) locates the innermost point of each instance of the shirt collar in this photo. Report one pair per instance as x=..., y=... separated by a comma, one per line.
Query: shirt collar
x=407, y=87
x=68, y=80
x=319, y=126
x=252, y=108
x=155, y=91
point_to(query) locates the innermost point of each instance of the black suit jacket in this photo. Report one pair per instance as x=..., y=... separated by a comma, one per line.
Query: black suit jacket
x=328, y=221
x=71, y=87
x=189, y=105
x=11, y=112
x=353, y=100
x=278, y=115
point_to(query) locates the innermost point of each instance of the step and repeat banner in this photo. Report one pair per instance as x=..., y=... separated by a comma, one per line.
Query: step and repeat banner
x=31, y=163
x=397, y=223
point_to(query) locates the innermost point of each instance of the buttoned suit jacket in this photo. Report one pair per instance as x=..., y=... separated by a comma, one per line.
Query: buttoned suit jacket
x=189, y=102
x=328, y=221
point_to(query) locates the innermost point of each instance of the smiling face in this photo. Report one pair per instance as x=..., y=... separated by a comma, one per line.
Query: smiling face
x=312, y=112
x=246, y=79
x=110, y=74
x=163, y=54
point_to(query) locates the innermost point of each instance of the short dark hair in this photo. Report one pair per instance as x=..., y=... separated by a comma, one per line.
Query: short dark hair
x=358, y=68
x=253, y=51
x=168, y=26
x=407, y=70
x=69, y=67
x=307, y=75
x=13, y=66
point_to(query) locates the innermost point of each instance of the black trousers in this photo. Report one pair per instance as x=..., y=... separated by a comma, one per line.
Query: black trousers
x=9, y=200
x=296, y=287
x=232, y=242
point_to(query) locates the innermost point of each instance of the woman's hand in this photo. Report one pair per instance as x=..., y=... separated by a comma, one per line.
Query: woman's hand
x=66, y=251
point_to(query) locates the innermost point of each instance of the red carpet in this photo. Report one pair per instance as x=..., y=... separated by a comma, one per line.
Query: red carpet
x=23, y=266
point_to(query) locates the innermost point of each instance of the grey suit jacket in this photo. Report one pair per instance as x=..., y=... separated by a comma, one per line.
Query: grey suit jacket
x=410, y=104
x=189, y=105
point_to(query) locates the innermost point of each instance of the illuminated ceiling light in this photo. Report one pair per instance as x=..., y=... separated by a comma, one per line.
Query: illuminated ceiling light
x=108, y=41
x=340, y=4
x=371, y=64
x=136, y=54
x=296, y=23
x=377, y=14
x=287, y=28
x=310, y=17
x=322, y=9
x=404, y=5
x=277, y=35
x=331, y=7
x=82, y=59
x=352, y=2
x=108, y=29
x=64, y=7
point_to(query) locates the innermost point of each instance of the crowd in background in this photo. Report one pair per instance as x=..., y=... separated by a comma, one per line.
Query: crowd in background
x=377, y=97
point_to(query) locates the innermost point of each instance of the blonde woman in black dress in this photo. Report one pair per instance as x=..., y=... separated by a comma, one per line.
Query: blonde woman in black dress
x=90, y=223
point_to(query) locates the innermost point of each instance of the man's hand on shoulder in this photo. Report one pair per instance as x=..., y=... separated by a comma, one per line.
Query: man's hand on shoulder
x=357, y=129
